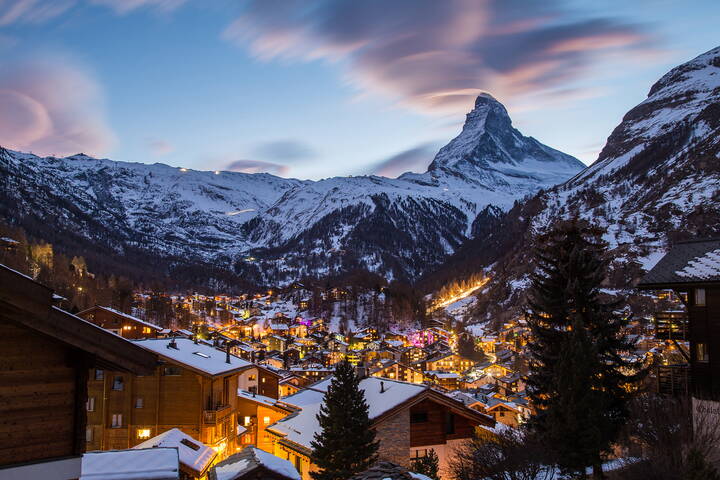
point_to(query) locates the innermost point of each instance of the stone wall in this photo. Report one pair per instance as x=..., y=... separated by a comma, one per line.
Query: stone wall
x=394, y=436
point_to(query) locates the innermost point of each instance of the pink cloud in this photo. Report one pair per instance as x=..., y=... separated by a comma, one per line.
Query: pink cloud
x=436, y=56
x=159, y=147
x=125, y=6
x=32, y=11
x=415, y=159
x=51, y=109
x=256, y=166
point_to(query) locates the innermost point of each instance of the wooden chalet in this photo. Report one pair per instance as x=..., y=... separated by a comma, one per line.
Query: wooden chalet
x=397, y=371
x=254, y=464
x=120, y=323
x=692, y=271
x=449, y=362
x=194, y=389
x=408, y=419
x=46, y=356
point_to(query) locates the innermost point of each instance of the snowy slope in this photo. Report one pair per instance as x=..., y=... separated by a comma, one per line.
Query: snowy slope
x=657, y=180
x=275, y=230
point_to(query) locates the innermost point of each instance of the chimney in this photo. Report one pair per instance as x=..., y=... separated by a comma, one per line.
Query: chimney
x=172, y=344
x=227, y=352
x=382, y=387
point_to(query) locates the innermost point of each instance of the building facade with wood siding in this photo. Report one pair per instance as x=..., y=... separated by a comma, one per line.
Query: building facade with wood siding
x=46, y=356
x=120, y=323
x=194, y=388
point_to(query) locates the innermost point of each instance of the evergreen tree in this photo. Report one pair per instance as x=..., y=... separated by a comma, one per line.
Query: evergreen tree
x=345, y=446
x=578, y=378
x=427, y=465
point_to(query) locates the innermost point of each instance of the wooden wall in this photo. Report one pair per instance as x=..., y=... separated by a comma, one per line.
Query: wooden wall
x=38, y=395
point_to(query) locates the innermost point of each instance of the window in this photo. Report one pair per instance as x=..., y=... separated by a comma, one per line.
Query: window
x=90, y=404
x=418, y=417
x=251, y=378
x=699, y=297
x=99, y=374
x=449, y=423
x=118, y=383
x=266, y=420
x=89, y=434
x=298, y=464
x=201, y=354
x=420, y=453
x=143, y=433
x=117, y=420
x=190, y=444
x=247, y=421
x=701, y=353
x=146, y=329
x=171, y=371
x=139, y=402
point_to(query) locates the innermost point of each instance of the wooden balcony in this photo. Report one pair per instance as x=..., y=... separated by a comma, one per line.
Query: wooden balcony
x=671, y=325
x=211, y=417
x=673, y=379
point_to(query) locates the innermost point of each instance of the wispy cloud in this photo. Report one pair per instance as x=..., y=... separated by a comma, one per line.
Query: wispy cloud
x=52, y=109
x=415, y=159
x=125, y=6
x=286, y=150
x=158, y=146
x=438, y=55
x=257, y=166
x=32, y=11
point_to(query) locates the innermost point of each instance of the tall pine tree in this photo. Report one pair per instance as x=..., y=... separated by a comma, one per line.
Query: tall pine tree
x=427, y=465
x=579, y=378
x=345, y=446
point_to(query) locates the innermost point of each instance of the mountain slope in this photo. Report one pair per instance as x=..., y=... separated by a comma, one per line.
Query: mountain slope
x=275, y=230
x=656, y=180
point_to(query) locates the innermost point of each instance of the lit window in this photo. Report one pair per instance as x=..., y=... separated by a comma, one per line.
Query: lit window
x=701, y=352
x=117, y=420
x=143, y=433
x=266, y=420
x=90, y=404
x=251, y=378
x=700, y=297
x=146, y=329
x=247, y=421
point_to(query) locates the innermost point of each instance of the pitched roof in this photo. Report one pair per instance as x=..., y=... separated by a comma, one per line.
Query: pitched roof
x=194, y=455
x=250, y=459
x=686, y=262
x=30, y=304
x=141, y=464
x=382, y=395
x=202, y=358
x=388, y=471
x=121, y=314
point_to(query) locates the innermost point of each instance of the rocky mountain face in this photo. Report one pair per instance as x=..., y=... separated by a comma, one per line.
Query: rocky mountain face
x=275, y=230
x=657, y=180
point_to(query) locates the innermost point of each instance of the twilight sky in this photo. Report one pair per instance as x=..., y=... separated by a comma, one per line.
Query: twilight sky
x=317, y=88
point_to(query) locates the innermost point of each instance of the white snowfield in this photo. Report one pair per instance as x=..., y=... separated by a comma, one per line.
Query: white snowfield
x=138, y=463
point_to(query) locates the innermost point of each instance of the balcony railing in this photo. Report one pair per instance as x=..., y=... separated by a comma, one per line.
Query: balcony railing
x=211, y=417
x=673, y=379
x=671, y=325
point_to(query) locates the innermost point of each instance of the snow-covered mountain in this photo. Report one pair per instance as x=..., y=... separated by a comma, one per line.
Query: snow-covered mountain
x=656, y=180
x=275, y=230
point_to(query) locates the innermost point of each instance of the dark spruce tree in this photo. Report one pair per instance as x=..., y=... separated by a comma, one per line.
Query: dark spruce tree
x=427, y=465
x=580, y=380
x=345, y=445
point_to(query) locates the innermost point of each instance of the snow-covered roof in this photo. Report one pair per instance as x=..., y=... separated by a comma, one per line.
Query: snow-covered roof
x=141, y=464
x=129, y=317
x=240, y=464
x=200, y=357
x=191, y=453
x=687, y=262
x=300, y=427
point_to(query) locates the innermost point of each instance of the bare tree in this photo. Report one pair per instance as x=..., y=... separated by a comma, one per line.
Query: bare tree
x=508, y=455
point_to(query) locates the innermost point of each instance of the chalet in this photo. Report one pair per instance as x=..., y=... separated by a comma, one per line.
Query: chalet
x=507, y=412
x=445, y=380
x=692, y=271
x=408, y=419
x=46, y=355
x=255, y=414
x=412, y=355
x=254, y=464
x=312, y=372
x=194, y=388
x=195, y=457
x=397, y=371
x=292, y=384
x=121, y=323
x=449, y=362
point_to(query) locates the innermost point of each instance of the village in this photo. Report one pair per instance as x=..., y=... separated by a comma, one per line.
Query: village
x=250, y=372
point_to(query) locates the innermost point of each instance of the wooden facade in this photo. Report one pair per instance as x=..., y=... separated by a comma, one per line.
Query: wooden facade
x=46, y=354
x=120, y=323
